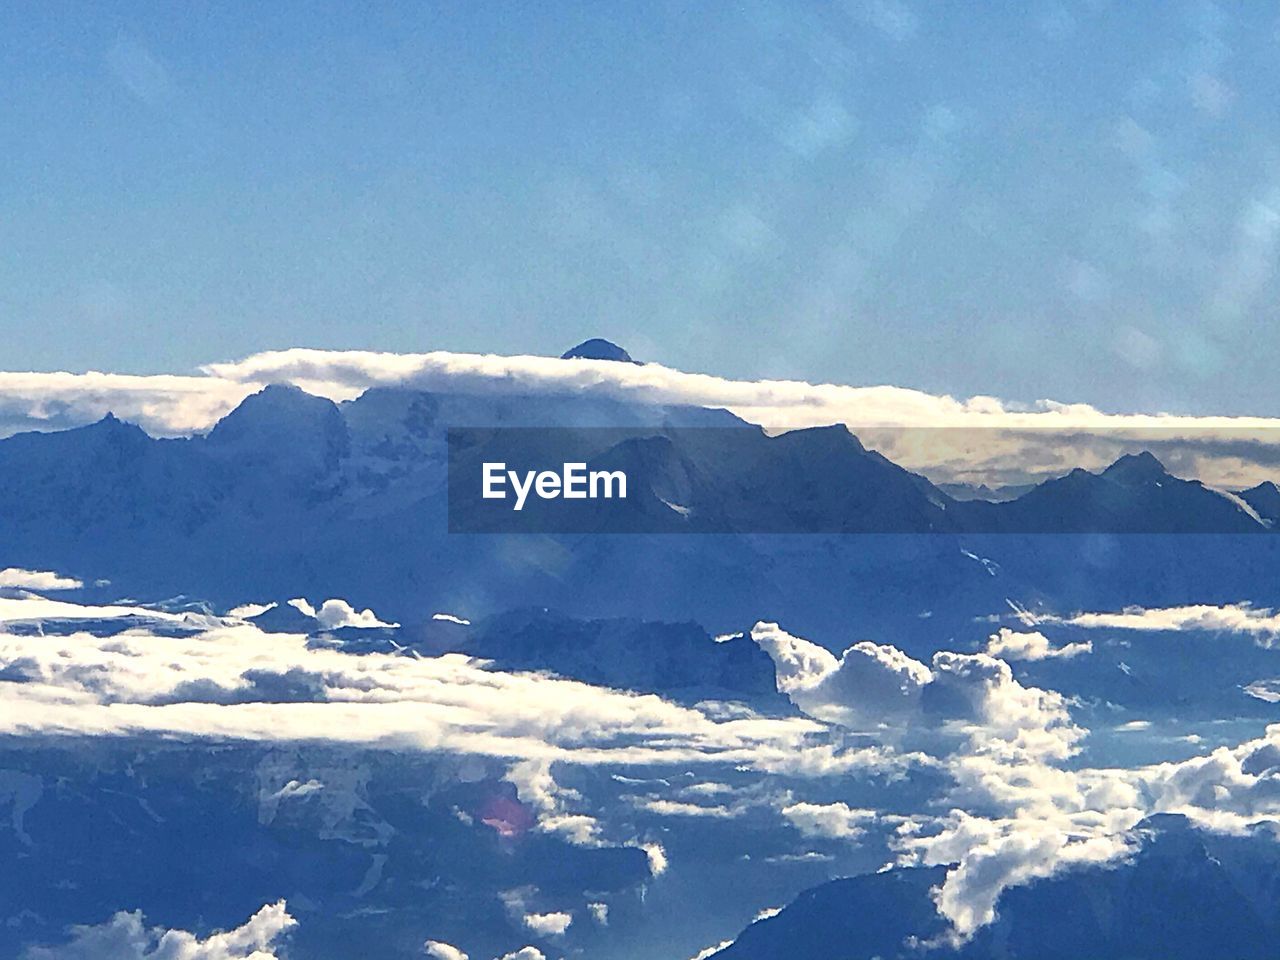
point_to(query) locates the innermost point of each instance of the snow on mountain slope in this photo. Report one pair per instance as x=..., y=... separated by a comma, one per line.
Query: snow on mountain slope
x=294, y=496
x=569, y=741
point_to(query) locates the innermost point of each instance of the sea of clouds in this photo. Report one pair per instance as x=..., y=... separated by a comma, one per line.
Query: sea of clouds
x=1013, y=803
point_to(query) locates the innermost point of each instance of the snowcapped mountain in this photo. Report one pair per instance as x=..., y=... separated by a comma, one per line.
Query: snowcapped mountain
x=292, y=494
x=284, y=450
x=570, y=742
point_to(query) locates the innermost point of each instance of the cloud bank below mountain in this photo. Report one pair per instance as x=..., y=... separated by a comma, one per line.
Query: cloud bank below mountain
x=1000, y=798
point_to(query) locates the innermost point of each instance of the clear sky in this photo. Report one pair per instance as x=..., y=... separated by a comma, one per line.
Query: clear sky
x=1069, y=200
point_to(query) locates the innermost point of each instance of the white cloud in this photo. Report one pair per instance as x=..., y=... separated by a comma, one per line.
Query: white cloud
x=1134, y=726
x=524, y=953
x=31, y=608
x=599, y=913
x=1008, y=719
x=869, y=684
x=677, y=808
x=706, y=789
x=342, y=374
x=798, y=663
x=992, y=856
x=548, y=924
x=536, y=785
x=999, y=748
x=1260, y=622
x=336, y=613
x=657, y=855
x=998, y=739
x=247, y=611
x=877, y=684
x=1011, y=645
x=162, y=405
x=225, y=679
x=1228, y=789
x=37, y=580
x=1266, y=690
x=437, y=950
x=295, y=789
x=1018, y=815
x=580, y=829
x=836, y=820
x=124, y=937
x=1056, y=818
x=450, y=618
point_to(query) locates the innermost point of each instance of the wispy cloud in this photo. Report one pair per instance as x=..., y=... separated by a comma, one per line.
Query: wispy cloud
x=1260, y=622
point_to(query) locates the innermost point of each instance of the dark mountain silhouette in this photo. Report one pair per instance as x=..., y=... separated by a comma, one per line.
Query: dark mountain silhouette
x=1265, y=499
x=1186, y=895
x=292, y=495
x=598, y=349
x=1133, y=495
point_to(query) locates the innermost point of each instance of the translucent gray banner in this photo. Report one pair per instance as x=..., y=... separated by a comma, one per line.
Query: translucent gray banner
x=826, y=480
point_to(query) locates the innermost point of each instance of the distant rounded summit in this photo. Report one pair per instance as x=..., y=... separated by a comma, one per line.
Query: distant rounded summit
x=598, y=349
x=1137, y=468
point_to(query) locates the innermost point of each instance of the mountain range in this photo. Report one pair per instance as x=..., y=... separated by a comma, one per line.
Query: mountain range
x=291, y=494
x=627, y=617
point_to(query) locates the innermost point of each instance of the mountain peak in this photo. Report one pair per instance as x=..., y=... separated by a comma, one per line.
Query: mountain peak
x=1265, y=500
x=109, y=436
x=1136, y=468
x=112, y=426
x=598, y=349
x=277, y=402
x=111, y=422
x=279, y=417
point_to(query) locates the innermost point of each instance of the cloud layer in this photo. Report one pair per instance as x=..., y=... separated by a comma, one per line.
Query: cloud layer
x=1043, y=437
x=226, y=679
x=1006, y=800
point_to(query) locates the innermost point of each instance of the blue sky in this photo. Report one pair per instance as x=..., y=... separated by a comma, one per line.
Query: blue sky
x=1078, y=201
